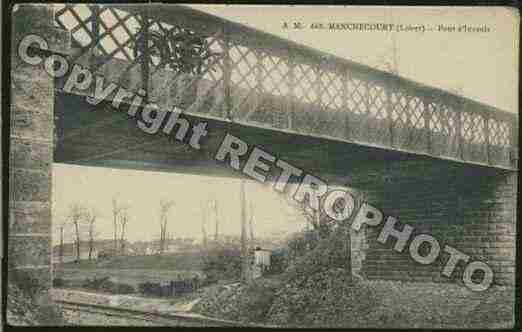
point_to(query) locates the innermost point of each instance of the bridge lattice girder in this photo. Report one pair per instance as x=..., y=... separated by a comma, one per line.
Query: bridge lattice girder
x=262, y=80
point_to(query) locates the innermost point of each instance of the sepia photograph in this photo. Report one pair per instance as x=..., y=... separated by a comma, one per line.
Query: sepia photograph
x=270, y=166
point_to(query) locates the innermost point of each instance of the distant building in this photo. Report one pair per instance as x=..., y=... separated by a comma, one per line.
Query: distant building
x=261, y=262
x=101, y=248
x=172, y=248
x=262, y=257
x=149, y=251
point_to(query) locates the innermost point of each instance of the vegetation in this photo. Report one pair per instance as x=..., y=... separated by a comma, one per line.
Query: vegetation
x=329, y=253
x=76, y=214
x=150, y=288
x=91, y=216
x=239, y=302
x=257, y=298
x=28, y=302
x=318, y=265
x=222, y=263
x=106, y=285
x=191, y=261
x=329, y=298
x=165, y=206
x=120, y=219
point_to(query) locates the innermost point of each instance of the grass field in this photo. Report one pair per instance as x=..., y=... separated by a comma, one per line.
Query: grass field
x=76, y=277
x=191, y=261
x=133, y=270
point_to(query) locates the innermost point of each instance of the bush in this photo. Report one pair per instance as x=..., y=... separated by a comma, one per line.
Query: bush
x=319, y=290
x=106, y=285
x=331, y=252
x=222, y=264
x=279, y=261
x=299, y=243
x=150, y=288
x=124, y=289
x=95, y=283
x=239, y=302
x=256, y=300
x=325, y=299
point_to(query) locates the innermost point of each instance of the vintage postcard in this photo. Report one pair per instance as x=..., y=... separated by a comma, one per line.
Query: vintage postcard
x=262, y=166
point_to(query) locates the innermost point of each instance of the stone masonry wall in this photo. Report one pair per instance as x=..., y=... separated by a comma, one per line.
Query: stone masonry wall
x=31, y=146
x=470, y=208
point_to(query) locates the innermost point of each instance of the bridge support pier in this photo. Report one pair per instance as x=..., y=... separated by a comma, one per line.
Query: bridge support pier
x=31, y=150
x=470, y=208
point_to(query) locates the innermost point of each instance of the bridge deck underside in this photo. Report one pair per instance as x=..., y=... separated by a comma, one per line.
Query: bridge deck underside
x=102, y=136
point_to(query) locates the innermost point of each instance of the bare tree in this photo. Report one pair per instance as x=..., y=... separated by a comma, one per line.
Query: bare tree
x=317, y=220
x=61, y=244
x=204, y=226
x=116, y=209
x=90, y=217
x=124, y=219
x=251, y=223
x=311, y=216
x=214, y=207
x=76, y=213
x=165, y=207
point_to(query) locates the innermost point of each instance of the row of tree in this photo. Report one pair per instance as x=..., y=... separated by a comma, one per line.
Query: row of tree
x=82, y=219
x=165, y=207
x=121, y=217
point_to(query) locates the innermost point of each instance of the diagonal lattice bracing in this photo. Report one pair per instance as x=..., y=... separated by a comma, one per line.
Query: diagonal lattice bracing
x=500, y=133
x=283, y=87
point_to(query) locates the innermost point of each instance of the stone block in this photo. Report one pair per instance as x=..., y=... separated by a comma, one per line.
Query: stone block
x=27, y=251
x=36, y=95
x=31, y=125
x=30, y=186
x=31, y=155
x=30, y=217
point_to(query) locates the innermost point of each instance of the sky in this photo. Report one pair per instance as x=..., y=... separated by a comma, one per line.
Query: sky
x=95, y=187
x=481, y=66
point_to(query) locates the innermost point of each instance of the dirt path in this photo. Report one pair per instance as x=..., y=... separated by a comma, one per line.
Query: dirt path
x=171, y=305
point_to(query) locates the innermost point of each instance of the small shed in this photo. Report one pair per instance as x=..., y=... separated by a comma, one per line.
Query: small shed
x=262, y=257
